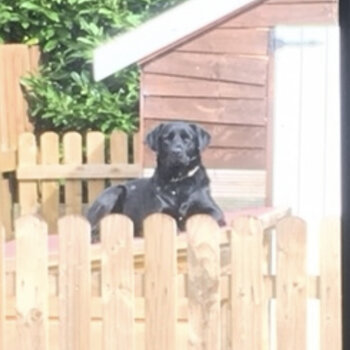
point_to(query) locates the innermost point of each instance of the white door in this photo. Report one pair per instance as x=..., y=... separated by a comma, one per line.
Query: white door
x=306, y=149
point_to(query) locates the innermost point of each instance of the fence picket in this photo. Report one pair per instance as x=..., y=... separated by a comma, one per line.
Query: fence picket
x=95, y=152
x=119, y=149
x=266, y=269
x=14, y=64
x=2, y=288
x=34, y=58
x=74, y=283
x=291, y=284
x=204, y=283
x=117, y=284
x=137, y=147
x=72, y=153
x=330, y=285
x=31, y=283
x=160, y=282
x=50, y=189
x=27, y=155
x=226, y=336
x=6, y=209
x=247, y=288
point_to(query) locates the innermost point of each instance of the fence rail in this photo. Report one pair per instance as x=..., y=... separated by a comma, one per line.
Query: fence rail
x=215, y=295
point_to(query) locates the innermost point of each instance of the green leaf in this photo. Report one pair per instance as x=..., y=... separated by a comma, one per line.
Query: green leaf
x=50, y=45
x=76, y=77
x=29, y=5
x=32, y=41
x=85, y=40
x=52, y=15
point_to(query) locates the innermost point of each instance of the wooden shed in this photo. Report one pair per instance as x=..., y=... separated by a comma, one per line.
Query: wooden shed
x=212, y=62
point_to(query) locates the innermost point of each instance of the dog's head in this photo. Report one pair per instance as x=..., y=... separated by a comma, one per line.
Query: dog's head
x=178, y=144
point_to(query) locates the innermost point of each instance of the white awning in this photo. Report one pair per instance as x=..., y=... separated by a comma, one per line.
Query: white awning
x=171, y=28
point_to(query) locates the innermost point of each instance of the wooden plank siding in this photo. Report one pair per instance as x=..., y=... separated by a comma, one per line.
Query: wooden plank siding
x=228, y=40
x=218, y=67
x=215, y=111
x=220, y=79
x=224, y=158
x=291, y=13
x=160, y=85
x=226, y=136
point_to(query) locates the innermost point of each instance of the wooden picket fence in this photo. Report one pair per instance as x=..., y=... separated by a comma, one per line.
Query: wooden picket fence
x=51, y=170
x=206, y=289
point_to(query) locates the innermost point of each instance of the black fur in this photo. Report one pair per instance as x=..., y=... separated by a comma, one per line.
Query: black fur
x=179, y=186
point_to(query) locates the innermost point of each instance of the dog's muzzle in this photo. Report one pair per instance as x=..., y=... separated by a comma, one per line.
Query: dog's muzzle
x=178, y=157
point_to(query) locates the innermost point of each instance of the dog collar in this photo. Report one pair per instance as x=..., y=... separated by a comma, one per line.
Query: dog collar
x=189, y=174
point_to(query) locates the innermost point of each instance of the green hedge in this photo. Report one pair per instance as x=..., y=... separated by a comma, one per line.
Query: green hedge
x=64, y=96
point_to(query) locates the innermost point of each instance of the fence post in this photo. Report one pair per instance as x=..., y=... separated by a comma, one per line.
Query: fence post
x=160, y=282
x=247, y=284
x=74, y=283
x=31, y=283
x=291, y=284
x=203, y=283
x=117, y=280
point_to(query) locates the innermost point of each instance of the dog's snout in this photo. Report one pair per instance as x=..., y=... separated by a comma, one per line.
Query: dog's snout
x=177, y=146
x=177, y=149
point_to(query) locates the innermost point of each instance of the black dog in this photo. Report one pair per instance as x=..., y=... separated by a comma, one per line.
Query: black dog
x=179, y=186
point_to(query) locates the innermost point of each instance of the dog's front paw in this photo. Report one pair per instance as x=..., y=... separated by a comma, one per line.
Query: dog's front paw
x=222, y=222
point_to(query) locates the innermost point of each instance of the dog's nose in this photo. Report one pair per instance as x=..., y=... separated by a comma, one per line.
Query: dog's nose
x=177, y=150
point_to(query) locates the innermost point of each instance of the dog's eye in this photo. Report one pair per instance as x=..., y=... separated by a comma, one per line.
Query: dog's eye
x=185, y=137
x=169, y=137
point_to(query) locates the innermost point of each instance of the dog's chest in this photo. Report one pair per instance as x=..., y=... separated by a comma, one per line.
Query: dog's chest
x=172, y=195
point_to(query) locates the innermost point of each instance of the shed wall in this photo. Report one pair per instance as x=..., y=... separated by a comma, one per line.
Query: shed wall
x=221, y=81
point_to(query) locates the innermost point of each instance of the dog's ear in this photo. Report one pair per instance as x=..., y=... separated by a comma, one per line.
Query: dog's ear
x=152, y=137
x=202, y=135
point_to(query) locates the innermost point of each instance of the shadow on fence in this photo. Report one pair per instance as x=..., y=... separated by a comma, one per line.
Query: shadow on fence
x=207, y=289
